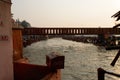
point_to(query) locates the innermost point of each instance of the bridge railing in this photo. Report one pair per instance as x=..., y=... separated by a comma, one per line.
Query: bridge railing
x=69, y=31
x=102, y=72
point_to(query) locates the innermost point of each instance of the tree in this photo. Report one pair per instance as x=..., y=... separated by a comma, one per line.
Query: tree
x=22, y=24
x=117, y=16
x=25, y=24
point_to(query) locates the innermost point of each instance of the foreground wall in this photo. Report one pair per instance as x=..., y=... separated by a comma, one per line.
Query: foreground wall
x=17, y=44
x=6, y=51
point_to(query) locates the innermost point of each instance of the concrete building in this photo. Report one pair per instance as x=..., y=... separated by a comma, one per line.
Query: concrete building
x=6, y=48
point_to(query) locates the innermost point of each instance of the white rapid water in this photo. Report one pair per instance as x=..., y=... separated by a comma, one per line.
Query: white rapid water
x=81, y=60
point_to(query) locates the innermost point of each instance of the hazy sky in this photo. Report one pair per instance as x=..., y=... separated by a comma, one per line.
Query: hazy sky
x=66, y=13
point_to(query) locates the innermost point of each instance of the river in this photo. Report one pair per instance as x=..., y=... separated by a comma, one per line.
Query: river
x=81, y=59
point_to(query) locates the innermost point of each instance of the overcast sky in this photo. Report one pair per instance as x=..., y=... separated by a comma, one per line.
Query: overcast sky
x=66, y=13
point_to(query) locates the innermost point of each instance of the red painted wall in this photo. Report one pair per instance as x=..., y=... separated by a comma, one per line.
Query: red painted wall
x=6, y=50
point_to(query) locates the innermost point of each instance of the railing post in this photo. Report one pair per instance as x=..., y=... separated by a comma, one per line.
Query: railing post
x=55, y=60
x=101, y=74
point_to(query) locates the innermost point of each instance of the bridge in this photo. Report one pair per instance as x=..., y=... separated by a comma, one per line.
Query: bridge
x=70, y=31
x=31, y=35
x=37, y=34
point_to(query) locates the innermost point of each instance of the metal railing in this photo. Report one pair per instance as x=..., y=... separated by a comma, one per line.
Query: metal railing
x=102, y=72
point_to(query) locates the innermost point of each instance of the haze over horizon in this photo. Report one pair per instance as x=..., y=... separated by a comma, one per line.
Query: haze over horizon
x=66, y=13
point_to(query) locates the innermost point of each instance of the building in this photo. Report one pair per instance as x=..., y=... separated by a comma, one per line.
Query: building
x=6, y=49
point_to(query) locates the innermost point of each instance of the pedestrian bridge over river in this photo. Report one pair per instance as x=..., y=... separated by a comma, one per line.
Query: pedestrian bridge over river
x=31, y=35
x=70, y=31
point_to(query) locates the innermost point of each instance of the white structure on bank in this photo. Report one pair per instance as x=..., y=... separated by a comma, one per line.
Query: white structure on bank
x=6, y=48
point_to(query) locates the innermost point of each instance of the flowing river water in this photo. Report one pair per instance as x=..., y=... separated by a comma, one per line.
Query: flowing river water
x=81, y=59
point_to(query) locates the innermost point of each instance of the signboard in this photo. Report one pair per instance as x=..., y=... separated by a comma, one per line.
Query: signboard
x=3, y=37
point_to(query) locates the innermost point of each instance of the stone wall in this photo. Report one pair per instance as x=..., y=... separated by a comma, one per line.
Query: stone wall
x=6, y=48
